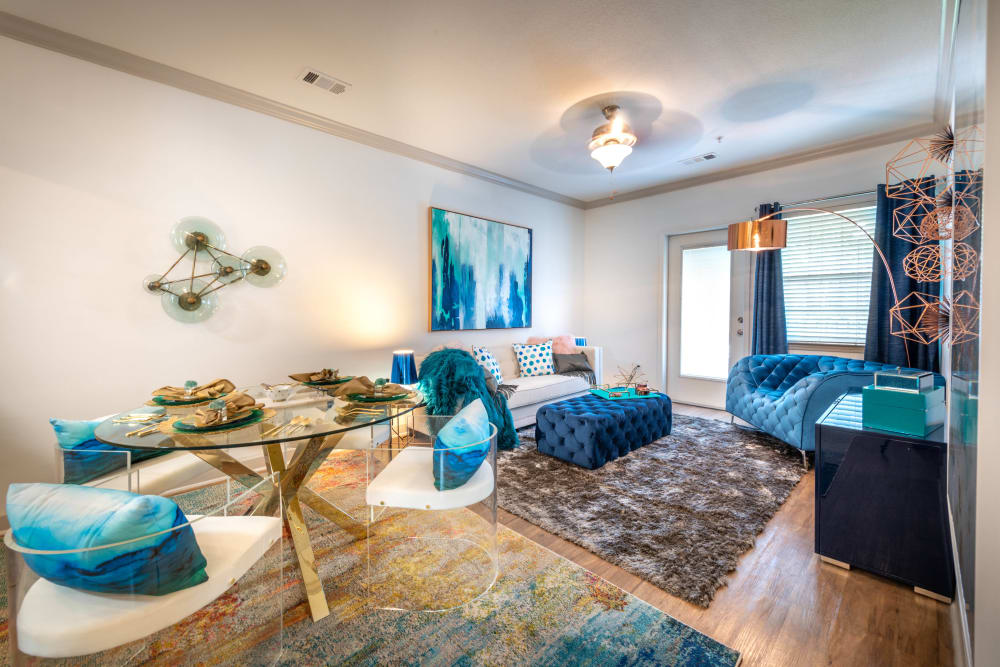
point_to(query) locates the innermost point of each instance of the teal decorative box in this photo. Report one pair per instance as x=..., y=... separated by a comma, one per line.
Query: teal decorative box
x=912, y=413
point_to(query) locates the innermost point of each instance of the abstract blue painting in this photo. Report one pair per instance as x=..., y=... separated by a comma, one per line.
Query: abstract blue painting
x=480, y=273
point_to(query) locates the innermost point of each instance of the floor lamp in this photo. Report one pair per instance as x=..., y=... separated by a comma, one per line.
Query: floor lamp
x=770, y=233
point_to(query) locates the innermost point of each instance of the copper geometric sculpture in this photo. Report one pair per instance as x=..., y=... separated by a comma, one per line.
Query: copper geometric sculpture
x=964, y=318
x=924, y=264
x=964, y=261
x=906, y=172
x=948, y=222
x=908, y=175
x=919, y=317
x=907, y=220
x=969, y=144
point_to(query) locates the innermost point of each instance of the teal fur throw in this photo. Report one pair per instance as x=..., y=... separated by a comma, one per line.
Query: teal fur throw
x=451, y=379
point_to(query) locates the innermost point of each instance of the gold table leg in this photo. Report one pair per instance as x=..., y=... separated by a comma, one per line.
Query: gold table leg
x=308, y=457
x=300, y=538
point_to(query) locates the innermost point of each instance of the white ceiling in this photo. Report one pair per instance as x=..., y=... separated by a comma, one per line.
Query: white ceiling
x=516, y=87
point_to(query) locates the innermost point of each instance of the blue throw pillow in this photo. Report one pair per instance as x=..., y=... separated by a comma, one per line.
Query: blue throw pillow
x=84, y=458
x=461, y=446
x=57, y=517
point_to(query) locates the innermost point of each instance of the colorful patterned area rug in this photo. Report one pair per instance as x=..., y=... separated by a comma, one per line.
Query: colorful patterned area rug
x=542, y=610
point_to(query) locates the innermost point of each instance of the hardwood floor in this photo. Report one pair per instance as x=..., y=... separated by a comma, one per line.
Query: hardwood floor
x=782, y=606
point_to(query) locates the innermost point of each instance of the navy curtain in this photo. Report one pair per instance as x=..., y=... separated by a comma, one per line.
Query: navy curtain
x=880, y=345
x=770, y=335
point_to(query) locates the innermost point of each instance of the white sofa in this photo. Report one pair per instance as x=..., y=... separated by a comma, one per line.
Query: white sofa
x=534, y=392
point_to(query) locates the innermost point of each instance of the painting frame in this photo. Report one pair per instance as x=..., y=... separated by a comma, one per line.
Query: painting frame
x=523, y=290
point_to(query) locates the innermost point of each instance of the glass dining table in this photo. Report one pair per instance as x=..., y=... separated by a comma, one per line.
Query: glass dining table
x=313, y=428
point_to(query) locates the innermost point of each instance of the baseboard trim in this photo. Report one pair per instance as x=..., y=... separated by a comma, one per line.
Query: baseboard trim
x=961, y=649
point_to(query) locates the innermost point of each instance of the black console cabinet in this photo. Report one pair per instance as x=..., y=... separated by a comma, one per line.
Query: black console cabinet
x=881, y=500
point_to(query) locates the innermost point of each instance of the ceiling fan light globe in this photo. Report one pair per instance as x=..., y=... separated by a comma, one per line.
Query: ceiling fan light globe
x=611, y=155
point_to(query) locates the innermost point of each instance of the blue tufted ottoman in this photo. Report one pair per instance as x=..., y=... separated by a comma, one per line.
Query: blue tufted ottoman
x=590, y=431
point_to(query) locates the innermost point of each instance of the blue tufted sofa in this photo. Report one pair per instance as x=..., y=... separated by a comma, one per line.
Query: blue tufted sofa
x=784, y=394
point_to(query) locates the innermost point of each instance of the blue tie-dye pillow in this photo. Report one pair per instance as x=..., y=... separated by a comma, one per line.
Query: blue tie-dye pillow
x=84, y=458
x=461, y=446
x=67, y=517
x=535, y=359
x=488, y=361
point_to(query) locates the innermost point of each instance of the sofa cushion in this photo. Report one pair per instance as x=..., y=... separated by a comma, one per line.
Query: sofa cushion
x=461, y=446
x=538, y=388
x=535, y=359
x=560, y=344
x=488, y=362
x=73, y=521
x=84, y=458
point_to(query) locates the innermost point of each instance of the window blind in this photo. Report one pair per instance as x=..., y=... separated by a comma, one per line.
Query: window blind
x=827, y=273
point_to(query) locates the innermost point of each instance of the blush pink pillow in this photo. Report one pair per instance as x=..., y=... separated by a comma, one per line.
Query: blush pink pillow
x=560, y=344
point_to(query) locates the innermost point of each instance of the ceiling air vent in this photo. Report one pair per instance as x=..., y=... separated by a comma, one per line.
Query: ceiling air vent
x=325, y=81
x=697, y=158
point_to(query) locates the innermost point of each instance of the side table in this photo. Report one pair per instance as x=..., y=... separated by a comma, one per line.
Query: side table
x=881, y=501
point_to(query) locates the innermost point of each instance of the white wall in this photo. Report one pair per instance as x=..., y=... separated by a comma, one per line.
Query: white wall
x=987, y=600
x=625, y=244
x=95, y=168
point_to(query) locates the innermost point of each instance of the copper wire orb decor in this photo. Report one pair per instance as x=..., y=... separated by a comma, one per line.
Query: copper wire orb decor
x=964, y=261
x=924, y=264
x=938, y=208
x=948, y=222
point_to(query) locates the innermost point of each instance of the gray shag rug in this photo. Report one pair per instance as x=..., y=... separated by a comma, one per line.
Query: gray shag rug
x=678, y=512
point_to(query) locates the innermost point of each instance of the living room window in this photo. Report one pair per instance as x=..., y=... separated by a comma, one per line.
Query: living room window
x=827, y=273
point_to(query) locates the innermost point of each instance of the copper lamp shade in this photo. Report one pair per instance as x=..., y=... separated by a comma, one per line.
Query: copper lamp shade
x=761, y=234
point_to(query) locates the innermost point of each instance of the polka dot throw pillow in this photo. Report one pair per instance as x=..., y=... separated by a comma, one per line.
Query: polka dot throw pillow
x=488, y=361
x=535, y=359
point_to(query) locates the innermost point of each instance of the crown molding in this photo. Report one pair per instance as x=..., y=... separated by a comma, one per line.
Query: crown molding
x=46, y=37
x=830, y=150
x=69, y=44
